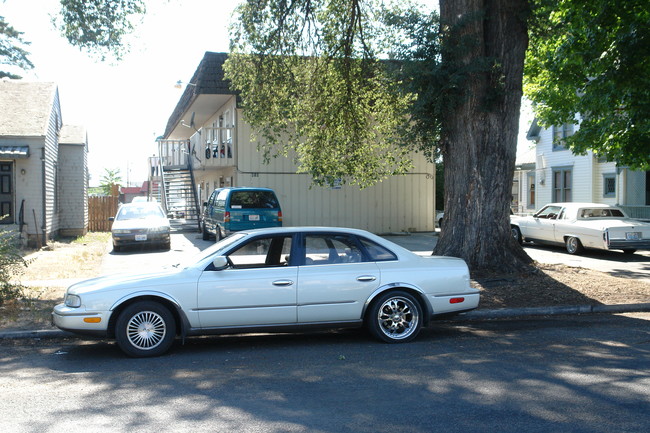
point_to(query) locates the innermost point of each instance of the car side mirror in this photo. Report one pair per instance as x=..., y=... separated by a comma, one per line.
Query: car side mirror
x=220, y=263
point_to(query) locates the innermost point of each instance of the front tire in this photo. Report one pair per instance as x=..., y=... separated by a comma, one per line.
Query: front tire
x=395, y=317
x=145, y=329
x=573, y=245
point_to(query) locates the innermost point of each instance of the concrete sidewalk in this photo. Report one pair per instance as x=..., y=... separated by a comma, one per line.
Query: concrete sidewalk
x=422, y=244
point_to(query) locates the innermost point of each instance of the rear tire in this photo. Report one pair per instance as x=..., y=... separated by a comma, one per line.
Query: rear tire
x=573, y=245
x=145, y=329
x=395, y=317
x=205, y=234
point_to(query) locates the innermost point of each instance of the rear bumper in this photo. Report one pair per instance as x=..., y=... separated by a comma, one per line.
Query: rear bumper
x=453, y=304
x=130, y=239
x=643, y=244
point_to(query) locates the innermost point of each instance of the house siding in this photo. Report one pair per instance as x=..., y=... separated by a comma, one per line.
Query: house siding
x=399, y=203
x=72, y=180
x=50, y=166
x=588, y=175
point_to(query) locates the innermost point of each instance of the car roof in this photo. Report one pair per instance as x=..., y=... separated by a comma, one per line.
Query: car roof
x=578, y=204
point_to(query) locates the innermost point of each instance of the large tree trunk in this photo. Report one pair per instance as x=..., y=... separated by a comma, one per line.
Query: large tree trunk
x=479, y=136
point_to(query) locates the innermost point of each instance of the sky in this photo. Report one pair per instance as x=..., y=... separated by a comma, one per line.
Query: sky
x=125, y=105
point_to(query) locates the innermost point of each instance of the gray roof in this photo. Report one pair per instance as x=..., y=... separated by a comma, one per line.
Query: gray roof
x=72, y=134
x=208, y=79
x=25, y=107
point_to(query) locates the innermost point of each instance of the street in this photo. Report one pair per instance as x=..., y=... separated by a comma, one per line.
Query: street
x=578, y=374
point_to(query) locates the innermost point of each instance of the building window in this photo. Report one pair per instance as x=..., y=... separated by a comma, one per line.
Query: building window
x=562, y=184
x=531, y=191
x=609, y=185
x=560, y=133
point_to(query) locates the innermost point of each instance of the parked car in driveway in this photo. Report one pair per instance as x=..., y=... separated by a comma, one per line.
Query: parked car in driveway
x=229, y=210
x=582, y=225
x=277, y=279
x=140, y=223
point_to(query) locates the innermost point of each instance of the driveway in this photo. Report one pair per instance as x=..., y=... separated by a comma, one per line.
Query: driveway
x=614, y=263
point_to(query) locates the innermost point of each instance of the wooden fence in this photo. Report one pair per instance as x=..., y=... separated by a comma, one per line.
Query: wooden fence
x=99, y=210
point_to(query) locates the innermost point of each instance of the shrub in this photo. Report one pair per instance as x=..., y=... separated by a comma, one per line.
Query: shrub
x=11, y=266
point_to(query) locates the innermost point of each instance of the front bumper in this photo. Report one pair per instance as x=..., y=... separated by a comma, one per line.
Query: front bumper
x=80, y=321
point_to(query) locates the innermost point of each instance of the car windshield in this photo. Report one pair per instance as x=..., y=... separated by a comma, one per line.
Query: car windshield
x=139, y=212
x=212, y=250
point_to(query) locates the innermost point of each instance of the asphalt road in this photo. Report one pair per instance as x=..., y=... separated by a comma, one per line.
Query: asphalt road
x=573, y=374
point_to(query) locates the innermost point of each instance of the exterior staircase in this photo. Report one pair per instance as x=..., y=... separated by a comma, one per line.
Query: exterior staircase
x=181, y=202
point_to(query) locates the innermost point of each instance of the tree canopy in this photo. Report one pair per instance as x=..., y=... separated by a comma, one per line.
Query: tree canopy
x=314, y=90
x=12, y=50
x=99, y=26
x=590, y=60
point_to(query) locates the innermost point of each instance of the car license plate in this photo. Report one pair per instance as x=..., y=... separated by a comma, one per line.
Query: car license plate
x=140, y=237
x=253, y=217
x=633, y=236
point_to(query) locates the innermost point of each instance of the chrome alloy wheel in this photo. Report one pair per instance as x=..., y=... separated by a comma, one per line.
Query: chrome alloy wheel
x=146, y=330
x=398, y=318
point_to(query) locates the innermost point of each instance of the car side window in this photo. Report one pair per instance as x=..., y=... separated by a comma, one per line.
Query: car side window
x=376, y=252
x=220, y=200
x=262, y=253
x=326, y=249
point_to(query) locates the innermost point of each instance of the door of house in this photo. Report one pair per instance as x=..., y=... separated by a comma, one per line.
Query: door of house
x=6, y=193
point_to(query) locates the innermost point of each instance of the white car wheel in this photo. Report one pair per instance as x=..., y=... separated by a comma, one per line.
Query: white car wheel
x=573, y=245
x=145, y=329
x=395, y=317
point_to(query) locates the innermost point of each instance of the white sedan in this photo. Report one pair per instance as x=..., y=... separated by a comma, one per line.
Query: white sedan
x=278, y=279
x=582, y=225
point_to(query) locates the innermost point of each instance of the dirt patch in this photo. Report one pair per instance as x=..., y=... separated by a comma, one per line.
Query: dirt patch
x=51, y=271
x=560, y=285
x=48, y=273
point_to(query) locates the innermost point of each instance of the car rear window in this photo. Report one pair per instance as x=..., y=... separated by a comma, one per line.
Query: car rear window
x=376, y=252
x=253, y=200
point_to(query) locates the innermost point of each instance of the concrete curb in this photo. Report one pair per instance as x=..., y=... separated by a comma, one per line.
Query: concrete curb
x=504, y=313
x=553, y=311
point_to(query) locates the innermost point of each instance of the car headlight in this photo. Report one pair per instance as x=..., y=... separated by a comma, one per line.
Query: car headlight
x=121, y=231
x=72, y=301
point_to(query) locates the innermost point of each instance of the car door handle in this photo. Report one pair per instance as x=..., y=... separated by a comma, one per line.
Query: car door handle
x=283, y=283
x=366, y=278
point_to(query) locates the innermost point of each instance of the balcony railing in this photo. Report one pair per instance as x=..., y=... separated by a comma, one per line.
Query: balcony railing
x=213, y=147
x=174, y=153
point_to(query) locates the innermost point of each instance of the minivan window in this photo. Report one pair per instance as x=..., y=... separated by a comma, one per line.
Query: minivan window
x=253, y=200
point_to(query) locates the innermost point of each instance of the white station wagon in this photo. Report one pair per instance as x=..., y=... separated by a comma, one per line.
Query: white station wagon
x=582, y=225
x=276, y=279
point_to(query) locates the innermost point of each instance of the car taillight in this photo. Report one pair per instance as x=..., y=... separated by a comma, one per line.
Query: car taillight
x=279, y=215
x=226, y=217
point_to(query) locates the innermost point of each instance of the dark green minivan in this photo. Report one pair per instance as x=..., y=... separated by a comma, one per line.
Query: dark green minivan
x=233, y=209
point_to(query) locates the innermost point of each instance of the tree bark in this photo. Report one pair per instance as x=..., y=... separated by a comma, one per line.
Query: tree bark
x=479, y=134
